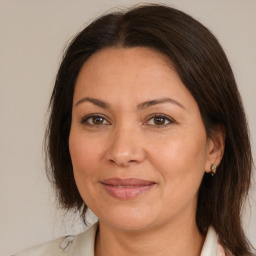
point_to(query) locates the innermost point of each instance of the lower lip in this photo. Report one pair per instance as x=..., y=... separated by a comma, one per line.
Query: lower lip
x=127, y=192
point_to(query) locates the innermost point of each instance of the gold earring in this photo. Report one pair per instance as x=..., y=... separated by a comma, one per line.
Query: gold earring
x=213, y=169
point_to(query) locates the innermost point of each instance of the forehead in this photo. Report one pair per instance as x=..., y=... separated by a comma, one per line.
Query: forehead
x=131, y=63
x=137, y=53
x=134, y=74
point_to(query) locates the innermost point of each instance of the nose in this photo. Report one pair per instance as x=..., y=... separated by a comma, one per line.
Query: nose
x=126, y=148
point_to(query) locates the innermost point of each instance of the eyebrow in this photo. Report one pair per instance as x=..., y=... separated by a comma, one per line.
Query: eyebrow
x=146, y=104
x=94, y=101
x=150, y=103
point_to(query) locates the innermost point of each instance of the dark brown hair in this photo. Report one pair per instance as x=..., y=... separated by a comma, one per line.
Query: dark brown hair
x=204, y=69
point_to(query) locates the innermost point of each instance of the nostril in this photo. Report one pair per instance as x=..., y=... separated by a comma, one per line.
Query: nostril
x=133, y=161
x=123, y=162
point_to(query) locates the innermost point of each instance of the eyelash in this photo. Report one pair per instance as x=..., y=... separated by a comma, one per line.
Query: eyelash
x=91, y=116
x=160, y=116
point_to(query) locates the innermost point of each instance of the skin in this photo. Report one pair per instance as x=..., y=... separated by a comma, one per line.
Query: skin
x=127, y=141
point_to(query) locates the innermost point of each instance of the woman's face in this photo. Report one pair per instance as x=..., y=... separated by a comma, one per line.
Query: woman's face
x=137, y=142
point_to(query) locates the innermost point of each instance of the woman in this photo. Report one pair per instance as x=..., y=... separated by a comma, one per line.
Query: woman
x=147, y=129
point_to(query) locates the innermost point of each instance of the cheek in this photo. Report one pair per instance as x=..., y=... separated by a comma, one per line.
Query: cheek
x=181, y=151
x=85, y=159
x=83, y=151
x=181, y=161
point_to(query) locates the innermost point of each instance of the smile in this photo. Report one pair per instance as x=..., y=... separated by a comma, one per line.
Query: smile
x=126, y=188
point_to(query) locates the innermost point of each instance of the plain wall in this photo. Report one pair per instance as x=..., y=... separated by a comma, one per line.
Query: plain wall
x=33, y=34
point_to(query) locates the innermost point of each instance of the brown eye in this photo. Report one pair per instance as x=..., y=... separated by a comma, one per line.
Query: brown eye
x=97, y=120
x=94, y=120
x=159, y=120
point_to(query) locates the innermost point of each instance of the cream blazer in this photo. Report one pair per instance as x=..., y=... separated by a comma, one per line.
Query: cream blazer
x=83, y=245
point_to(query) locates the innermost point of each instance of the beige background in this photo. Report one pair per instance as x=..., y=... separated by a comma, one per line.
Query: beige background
x=33, y=34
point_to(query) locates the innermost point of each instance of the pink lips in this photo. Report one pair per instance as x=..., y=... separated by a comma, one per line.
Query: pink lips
x=126, y=188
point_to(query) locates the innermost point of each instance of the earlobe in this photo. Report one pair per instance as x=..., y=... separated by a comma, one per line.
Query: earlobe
x=216, y=145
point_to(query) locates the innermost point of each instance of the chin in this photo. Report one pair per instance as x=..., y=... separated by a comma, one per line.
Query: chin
x=130, y=219
x=129, y=224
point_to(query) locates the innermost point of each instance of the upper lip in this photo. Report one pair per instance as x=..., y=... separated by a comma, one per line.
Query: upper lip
x=127, y=182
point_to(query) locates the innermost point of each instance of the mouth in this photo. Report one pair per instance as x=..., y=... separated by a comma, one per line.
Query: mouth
x=126, y=188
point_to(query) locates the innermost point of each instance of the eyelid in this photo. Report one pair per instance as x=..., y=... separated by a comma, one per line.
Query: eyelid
x=86, y=117
x=166, y=117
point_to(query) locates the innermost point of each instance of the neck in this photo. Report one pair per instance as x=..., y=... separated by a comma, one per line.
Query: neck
x=177, y=239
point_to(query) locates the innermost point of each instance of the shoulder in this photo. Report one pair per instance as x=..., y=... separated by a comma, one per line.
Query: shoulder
x=49, y=248
x=82, y=244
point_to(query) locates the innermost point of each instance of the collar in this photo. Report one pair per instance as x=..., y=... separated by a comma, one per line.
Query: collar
x=83, y=244
x=210, y=243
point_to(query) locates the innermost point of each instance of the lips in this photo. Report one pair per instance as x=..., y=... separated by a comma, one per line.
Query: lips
x=126, y=188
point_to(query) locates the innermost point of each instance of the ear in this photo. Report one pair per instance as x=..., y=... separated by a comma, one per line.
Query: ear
x=215, y=147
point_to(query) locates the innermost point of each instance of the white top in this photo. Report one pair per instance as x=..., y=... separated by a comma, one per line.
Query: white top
x=83, y=245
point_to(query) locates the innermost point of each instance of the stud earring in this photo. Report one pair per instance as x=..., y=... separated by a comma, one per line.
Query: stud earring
x=213, y=169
